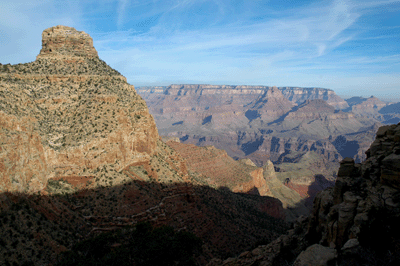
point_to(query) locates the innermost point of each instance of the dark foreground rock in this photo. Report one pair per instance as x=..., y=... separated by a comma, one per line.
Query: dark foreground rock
x=353, y=223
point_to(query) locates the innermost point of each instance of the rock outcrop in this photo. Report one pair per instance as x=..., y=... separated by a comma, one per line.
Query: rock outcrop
x=69, y=114
x=353, y=223
x=365, y=106
x=299, y=95
x=269, y=106
x=249, y=93
x=63, y=41
x=216, y=169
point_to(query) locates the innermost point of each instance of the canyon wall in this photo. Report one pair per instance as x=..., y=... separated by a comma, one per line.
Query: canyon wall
x=352, y=223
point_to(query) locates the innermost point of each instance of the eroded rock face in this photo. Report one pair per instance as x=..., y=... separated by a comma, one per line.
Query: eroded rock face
x=261, y=123
x=23, y=164
x=360, y=190
x=69, y=114
x=299, y=95
x=387, y=113
x=213, y=167
x=355, y=222
x=65, y=41
x=299, y=130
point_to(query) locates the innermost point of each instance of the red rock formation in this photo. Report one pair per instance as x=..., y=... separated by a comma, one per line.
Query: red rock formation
x=23, y=164
x=217, y=169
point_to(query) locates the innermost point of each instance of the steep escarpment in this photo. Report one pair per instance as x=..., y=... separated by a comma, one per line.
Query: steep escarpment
x=352, y=223
x=66, y=41
x=266, y=124
x=255, y=121
x=216, y=169
x=299, y=95
x=360, y=105
x=295, y=95
x=269, y=106
x=82, y=116
x=387, y=113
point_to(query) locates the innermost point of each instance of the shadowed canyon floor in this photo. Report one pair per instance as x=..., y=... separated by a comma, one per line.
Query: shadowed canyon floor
x=38, y=228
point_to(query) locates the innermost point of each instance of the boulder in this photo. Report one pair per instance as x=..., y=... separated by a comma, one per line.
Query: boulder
x=390, y=173
x=316, y=255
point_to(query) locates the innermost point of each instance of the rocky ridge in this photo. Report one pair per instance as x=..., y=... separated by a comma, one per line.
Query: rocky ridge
x=299, y=95
x=387, y=113
x=294, y=94
x=347, y=219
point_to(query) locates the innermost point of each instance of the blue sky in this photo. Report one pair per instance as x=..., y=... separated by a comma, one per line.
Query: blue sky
x=352, y=47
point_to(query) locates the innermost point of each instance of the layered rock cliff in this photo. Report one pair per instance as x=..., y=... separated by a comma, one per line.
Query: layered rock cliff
x=299, y=95
x=267, y=124
x=360, y=105
x=258, y=122
x=353, y=223
x=69, y=114
x=387, y=113
x=294, y=94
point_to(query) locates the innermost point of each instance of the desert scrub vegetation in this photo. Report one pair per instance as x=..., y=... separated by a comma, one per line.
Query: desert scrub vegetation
x=139, y=245
x=69, y=110
x=28, y=228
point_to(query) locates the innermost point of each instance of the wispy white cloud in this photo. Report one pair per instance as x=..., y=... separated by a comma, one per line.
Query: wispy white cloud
x=121, y=9
x=311, y=33
x=216, y=41
x=21, y=24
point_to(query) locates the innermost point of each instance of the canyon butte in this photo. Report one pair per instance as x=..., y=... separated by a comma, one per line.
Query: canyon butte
x=86, y=179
